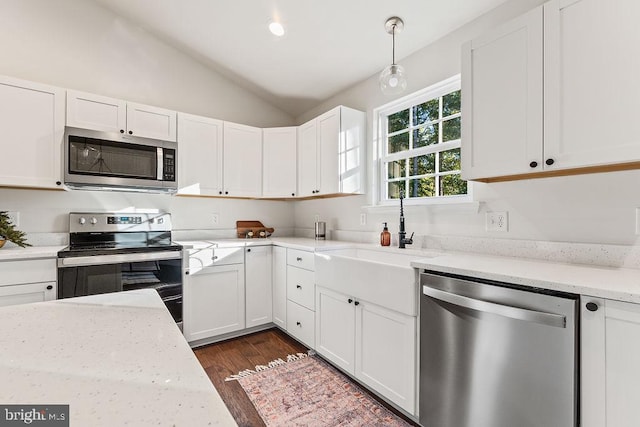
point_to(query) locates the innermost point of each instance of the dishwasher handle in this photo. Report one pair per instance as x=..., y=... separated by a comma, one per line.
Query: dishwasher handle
x=541, y=317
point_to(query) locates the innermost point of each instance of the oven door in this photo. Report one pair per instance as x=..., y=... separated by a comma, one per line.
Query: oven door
x=99, y=274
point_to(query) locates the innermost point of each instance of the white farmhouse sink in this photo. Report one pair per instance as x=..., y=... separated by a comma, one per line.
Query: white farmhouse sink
x=378, y=276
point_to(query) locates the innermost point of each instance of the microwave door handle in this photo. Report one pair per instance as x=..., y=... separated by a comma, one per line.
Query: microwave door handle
x=543, y=318
x=160, y=154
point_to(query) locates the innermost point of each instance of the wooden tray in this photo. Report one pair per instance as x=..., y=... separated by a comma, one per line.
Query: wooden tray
x=256, y=227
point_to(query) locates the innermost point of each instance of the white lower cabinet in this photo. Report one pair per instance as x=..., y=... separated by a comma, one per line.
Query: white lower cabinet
x=301, y=323
x=258, y=291
x=214, y=301
x=374, y=344
x=279, y=275
x=610, y=372
x=26, y=281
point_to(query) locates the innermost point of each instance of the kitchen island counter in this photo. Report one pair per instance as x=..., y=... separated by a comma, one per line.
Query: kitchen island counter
x=115, y=359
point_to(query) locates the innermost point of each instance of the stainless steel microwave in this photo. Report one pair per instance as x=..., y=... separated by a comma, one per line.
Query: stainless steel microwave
x=96, y=160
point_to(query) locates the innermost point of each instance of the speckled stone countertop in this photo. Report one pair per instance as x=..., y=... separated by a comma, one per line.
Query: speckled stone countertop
x=34, y=252
x=616, y=283
x=117, y=359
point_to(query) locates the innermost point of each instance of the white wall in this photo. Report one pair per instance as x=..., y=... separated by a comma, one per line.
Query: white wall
x=597, y=208
x=80, y=45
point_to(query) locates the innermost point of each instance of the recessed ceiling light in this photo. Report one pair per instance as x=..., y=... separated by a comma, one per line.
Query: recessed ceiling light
x=276, y=29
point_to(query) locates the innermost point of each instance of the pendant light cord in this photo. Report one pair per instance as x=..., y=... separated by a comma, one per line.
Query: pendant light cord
x=393, y=44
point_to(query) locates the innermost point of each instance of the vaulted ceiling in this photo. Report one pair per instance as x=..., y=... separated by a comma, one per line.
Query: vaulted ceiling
x=328, y=46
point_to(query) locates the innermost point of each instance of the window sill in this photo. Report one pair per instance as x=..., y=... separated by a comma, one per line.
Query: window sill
x=467, y=206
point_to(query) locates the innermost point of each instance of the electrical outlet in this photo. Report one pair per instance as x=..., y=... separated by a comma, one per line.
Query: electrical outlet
x=215, y=218
x=14, y=217
x=637, y=220
x=497, y=221
x=363, y=219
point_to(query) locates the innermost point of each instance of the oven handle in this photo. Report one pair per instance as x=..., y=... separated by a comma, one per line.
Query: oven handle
x=117, y=258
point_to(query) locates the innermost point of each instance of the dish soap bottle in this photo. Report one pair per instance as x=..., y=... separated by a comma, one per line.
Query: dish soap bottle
x=385, y=236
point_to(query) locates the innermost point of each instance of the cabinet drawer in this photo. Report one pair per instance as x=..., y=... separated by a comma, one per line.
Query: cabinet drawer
x=301, y=287
x=28, y=271
x=210, y=256
x=302, y=259
x=301, y=324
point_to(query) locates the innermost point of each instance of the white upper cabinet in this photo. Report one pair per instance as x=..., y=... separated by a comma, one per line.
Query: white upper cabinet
x=331, y=153
x=279, y=162
x=502, y=100
x=32, y=123
x=200, y=155
x=89, y=111
x=551, y=92
x=591, y=82
x=242, y=160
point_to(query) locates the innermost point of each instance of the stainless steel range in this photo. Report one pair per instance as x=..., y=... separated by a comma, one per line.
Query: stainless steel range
x=112, y=252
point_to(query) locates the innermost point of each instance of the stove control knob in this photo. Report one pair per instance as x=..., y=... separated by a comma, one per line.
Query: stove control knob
x=82, y=220
x=94, y=221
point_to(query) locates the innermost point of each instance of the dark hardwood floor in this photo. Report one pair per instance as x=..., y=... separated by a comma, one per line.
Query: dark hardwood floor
x=226, y=358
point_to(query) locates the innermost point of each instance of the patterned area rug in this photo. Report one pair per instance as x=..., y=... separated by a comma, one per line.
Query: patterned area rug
x=306, y=391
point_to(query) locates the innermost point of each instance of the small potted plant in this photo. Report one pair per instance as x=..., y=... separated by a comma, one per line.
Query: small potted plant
x=8, y=232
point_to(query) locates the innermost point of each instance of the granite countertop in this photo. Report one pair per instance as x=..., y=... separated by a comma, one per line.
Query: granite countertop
x=11, y=253
x=116, y=359
x=606, y=282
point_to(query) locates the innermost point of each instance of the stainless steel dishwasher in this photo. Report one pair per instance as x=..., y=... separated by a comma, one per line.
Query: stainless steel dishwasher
x=496, y=355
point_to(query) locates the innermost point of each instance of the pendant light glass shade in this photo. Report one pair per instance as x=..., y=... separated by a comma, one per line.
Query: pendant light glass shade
x=393, y=79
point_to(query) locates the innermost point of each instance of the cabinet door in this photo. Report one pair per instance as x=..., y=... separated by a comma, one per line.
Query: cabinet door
x=591, y=78
x=610, y=374
x=279, y=274
x=200, y=155
x=329, y=141
x=308, y=182
x=279, y=162
x=27, y=293
x=351, y=152
x=151, y=122
x=242, y=160
x=386, y=353
x=502, y=103
x=32, y=123
x=336, y=328
x=89, y=111
x=214, y=302
x=258, y=286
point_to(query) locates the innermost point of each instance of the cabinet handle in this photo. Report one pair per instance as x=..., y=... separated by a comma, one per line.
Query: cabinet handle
x=226, y=192
x=298, y=286
x=356, y=303
x=592, y=306
x=298, y=259
x=121, y=130
x=219, y=192
x=293, y=194
x=349, y=300
x=298, y=323
x=58, y=183
x=215, y=257
x=249, y=250
x=49, y=287
x=533, y=164
x=130, y=132
x=549, y=162
x=186, y=273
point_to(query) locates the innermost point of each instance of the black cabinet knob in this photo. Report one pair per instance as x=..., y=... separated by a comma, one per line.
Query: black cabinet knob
x=356, y=302
x=249, y=250
x=121, y=130
x=49, y=287
x=293, y=194
x=298, y=287
x=130, y=132
x=349, y=300
x=58, y=183
x=219, y=192
x=226, y=192
x=549, y=162
x=186, y=272
x=592, y=306
x=533, y=164
x=298, y=323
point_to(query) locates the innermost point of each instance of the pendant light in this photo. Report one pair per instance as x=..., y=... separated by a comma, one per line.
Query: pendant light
x=392, y=78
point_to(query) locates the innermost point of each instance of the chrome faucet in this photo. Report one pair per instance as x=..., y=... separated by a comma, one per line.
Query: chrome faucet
x=402, y=241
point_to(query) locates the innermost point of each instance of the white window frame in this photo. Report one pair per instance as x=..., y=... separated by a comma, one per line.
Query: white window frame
x=380, y=115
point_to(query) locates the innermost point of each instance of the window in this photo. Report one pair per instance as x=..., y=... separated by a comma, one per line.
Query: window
x=420, y=145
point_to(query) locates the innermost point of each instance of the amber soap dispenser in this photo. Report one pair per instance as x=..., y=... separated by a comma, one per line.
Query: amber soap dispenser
x=385, y=236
